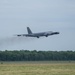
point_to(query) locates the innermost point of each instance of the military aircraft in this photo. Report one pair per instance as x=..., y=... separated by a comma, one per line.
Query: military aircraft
x=30, y=34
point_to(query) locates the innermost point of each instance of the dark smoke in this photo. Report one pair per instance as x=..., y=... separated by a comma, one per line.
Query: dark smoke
x=11, y=41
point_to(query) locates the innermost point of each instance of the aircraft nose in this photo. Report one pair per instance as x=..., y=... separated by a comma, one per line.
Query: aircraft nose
x=56, y=33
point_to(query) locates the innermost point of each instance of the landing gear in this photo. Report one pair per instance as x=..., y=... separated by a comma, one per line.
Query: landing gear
x=37, y=36
x=46, y=35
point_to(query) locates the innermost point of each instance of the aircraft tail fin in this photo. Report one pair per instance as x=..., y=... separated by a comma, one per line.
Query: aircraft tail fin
x=29, y=31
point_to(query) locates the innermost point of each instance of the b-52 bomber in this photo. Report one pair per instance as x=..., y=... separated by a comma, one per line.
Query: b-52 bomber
x=30, y=34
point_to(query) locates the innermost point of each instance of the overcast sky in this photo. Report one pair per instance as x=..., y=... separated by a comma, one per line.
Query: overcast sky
x=39, y=15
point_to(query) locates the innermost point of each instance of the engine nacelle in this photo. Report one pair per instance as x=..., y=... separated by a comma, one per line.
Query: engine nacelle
x=18, y=35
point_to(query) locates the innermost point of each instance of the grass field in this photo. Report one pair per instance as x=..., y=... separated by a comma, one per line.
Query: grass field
x=38, y=68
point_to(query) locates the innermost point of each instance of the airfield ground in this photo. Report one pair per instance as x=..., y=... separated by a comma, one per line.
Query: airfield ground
x=38, y=68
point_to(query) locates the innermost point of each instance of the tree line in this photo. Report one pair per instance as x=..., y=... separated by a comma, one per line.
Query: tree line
x=26, y=55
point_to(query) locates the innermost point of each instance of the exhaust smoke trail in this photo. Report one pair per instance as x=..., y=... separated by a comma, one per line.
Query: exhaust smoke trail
x=11, y=41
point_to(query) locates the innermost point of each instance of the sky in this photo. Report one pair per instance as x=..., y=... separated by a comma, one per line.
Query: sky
x=39, y=15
